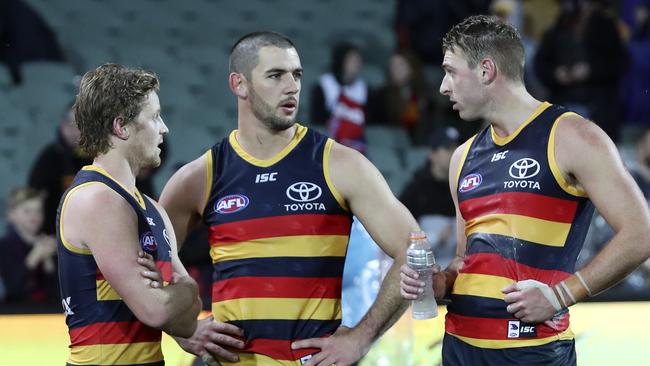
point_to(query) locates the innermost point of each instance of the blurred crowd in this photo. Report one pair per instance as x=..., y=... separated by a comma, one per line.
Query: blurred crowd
x=592, y=56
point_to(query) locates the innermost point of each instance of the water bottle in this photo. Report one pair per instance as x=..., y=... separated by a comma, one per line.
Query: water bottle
x=419, y=256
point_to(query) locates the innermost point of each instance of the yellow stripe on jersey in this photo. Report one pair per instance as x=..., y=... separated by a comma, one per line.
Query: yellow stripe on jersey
x=208, y=183
x=135, y=194
x=301, y=131
x=65, y=243
x=521, y=227
x=504, y=140
x=555, y=169
x=116, y=354
x=277, y=308
x=511, y=343
x=287, y=246
x=480, y=285
x=328, y=179
x=255, y=359
x=106, y=292
x=468, y=145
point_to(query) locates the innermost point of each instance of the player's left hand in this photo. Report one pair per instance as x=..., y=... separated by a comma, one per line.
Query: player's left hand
x=529, y=301
x=343, y=348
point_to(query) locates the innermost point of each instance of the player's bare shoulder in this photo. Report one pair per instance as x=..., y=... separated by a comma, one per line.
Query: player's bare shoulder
x=189, y=184
x=82, y=208
x=578, y=142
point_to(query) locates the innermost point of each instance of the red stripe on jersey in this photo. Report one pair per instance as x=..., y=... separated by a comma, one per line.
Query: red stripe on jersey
x=113, y=333
x=520, y=203
x=495, y=265
x=164, y=267
x=277, y=349
x=277, y=287
x=269, y=227
x=497, y=329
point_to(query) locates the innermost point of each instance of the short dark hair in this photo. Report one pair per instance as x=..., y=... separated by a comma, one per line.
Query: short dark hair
x=109, y=91
x=244, y=54
x=481, y=36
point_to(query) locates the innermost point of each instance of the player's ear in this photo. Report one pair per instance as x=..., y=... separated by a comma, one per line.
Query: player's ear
x=238, y=84
x=120, y=128
x=488, y=70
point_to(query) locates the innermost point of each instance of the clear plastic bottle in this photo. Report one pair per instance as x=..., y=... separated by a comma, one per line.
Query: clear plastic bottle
x=419, y=256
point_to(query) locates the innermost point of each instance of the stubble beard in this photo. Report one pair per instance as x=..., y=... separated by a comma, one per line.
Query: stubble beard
x=266, y=114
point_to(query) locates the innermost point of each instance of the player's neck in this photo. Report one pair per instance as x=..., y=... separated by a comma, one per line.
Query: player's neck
x=510, y=108
x=260, y=141
x=118, y=167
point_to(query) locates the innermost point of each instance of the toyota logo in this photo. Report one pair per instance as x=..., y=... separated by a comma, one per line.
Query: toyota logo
x=524, y=168
x=303, y=192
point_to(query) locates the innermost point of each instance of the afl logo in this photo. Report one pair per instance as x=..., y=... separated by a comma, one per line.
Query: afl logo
x=470, y=182
x=148, y=242
x=231, y=204
x=304, y=192
x=524, y=168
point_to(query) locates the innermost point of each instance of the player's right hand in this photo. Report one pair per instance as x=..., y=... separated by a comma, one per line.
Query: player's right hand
x=150, y=273
x=410, y=286
x=209, y=339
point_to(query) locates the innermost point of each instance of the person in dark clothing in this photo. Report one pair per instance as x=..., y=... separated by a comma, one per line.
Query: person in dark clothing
x=405, y=99
x=56, y=166
x=24, y=36
x=27, y=258
x=435, y=212
x=581, y=61
x=422, y=194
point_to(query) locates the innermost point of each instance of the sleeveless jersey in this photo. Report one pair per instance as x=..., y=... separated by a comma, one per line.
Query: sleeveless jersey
x=278, y=234
x=523, y=221
x=103, y=331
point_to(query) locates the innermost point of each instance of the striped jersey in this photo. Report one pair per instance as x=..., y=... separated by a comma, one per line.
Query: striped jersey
x=278, y=233
x=523, y=221
x=103, y=331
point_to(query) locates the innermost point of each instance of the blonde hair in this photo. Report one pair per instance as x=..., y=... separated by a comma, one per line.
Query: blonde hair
x=20, y=195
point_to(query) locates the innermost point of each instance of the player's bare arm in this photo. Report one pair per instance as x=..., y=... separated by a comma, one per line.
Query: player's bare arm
x=389, y=223
x=115, y=246
x=589, y=158
x=589, y=161
x=185, y=196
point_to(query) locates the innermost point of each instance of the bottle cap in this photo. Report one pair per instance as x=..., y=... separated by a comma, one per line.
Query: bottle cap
x=418, y=235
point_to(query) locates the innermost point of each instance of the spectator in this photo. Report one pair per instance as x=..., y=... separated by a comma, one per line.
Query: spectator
x=340, y=98
x=56, y=166
x=422, y=196
x=27, y=258
x=404, y=100
x=634, y=96
x=581, y=61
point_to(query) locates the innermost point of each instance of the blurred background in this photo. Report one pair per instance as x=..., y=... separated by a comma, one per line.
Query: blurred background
x=592, y=56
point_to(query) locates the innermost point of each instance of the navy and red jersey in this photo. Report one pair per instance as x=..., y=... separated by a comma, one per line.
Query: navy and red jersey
x=103, y=330
x=523, y=221
x=278, y=234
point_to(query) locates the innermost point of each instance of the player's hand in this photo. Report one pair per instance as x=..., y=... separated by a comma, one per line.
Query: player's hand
x=530, y=301
x=210, y=339
x=410, y=285
x=150, y=273
x=343, y=348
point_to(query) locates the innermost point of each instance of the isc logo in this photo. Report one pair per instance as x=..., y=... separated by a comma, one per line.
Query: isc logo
x=499, y=156
x=231, y=203
x=266, y=177
x=470, y=182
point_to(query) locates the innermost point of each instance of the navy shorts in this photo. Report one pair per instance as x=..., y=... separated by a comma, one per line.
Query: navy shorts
x=458, y=353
